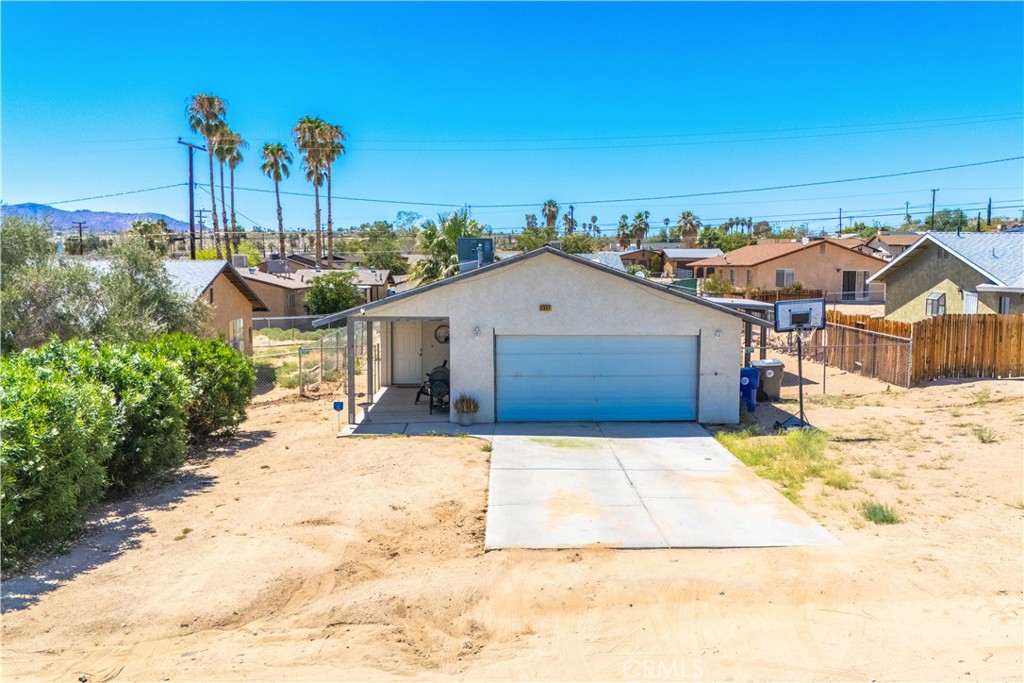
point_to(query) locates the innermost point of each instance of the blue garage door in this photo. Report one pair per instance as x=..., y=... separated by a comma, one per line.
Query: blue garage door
x=596, y=378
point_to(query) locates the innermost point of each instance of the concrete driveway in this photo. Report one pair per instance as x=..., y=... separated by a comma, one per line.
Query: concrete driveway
x=632, y=485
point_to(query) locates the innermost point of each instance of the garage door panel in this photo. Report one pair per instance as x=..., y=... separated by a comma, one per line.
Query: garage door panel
x=596, y=378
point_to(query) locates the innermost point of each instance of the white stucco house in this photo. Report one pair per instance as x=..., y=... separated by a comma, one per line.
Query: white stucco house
x=550, y=336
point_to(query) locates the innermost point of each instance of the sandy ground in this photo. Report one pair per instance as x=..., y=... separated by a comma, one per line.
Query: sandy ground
x=293, y=555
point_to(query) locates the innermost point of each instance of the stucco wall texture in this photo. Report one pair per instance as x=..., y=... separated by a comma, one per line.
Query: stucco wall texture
x=817, y=267
x=278, y=298
x=228, y=305
x=908, y=287
x=584, y=301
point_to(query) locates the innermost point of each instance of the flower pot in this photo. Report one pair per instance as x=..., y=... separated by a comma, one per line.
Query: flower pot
x=465, y=419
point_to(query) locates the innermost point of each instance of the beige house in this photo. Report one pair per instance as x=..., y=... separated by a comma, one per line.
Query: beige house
x=374, y=284
x=676, y=263
x=640, y=257
x=840, y=272
x=284, y=294
x=944, y=273
x=528, y=340
x=892, y=244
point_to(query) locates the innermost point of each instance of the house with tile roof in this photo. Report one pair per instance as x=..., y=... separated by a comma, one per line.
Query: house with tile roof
x=946, y=272
x=830, y=265
x=892, y=244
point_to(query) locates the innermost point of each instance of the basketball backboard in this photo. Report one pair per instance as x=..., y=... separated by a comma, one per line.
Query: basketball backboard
x=801, y=314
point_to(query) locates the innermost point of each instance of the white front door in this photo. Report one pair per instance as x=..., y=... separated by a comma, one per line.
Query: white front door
x=970, y=303
x=407, y=352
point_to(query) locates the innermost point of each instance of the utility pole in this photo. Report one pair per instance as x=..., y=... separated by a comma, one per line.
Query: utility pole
x=989, y=221
x=839, y=230
x=933, y=208
x=907, y=218
x=81, y=244
x=979, y=221
x=201, y=226
x=191, y=199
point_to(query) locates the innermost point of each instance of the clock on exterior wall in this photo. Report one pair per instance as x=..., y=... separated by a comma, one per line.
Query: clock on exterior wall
x=442, y=334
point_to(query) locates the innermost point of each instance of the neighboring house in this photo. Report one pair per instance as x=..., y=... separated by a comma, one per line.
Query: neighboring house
x=374, y=284
x=675, y=263
x=232, y=301
x=892, y=244
x=297, y=262
x=529, y=340
x=640, y=257
x=609, y=258
x=284, y=294
x=825, y=264
x=943, y=272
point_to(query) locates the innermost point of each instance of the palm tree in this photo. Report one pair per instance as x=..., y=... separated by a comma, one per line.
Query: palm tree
x=641, y=226
x=531, y=221
x=439, y=242
x=206, y=116
x=332, y=149
x=570, y=224
x=275, y=166
x=593, y=226
x=308, y=134
x=624, y=235
x=688, y=226
x=550, y=213
x=235, y=158
x=222, y=150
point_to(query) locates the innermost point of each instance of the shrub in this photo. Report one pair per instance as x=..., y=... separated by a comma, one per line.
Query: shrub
x=221, y=382
x=57, y=433
x=151, y=396
x=717, y=284
x=879, y=513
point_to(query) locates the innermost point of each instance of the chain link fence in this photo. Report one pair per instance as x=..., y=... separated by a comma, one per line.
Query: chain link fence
x=840, y=361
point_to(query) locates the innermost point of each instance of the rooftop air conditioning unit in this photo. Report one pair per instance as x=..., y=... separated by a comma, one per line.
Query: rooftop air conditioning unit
x=240, y=261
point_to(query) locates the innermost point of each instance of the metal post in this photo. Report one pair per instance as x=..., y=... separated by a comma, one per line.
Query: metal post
x=302, y=384
x=824, y=361
x=800, y=372
x=370, y=389
x=748, y=341
x=350, y=367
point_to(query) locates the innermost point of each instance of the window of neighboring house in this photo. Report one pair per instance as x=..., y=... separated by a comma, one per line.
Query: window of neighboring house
x=732, y=276
x=935, y=304
x=210, y=294
x=291, y=302
x=1004, y=305
x=749, y=276
x=942, y=254
x=784, y=278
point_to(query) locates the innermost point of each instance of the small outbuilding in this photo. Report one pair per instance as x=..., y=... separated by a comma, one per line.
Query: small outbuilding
x=550, y=336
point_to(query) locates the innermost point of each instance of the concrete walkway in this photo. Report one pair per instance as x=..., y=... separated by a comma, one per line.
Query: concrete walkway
x=632, y=485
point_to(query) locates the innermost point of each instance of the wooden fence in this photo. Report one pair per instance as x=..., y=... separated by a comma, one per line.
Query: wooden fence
x=772, y=295
x=950, y=345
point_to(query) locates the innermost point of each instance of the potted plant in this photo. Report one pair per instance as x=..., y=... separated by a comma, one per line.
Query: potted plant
x=466, y=407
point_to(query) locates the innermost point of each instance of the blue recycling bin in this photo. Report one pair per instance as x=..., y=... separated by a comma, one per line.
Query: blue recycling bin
x=750, y=378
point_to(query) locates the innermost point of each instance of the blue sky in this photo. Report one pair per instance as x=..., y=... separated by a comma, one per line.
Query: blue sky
x=495, y=103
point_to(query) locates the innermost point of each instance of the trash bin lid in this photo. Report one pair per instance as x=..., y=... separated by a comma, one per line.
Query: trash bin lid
x=767, y=363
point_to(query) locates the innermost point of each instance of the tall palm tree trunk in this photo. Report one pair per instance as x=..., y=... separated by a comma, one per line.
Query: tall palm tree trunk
x=234, y=225
x=213, y=203
x=224, y=215
x=330, y=225
x=318, y=240
x=280, y=220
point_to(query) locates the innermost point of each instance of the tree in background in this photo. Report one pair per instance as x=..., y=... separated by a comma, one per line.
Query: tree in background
x=237, y=144
x=550, y=213
x=640, y=227
x=531, y=221
x=332, y=140
x=534, y=237
x=380, y=247
x=569, y=224
x=946, y=220
x=623, y=233
x=333, y=291
x=222, y=150
x=308, y=134
x=762, y=229
x=578, y=243
x=439, y=242
x=153, y=232
x=687, y=229
x=206, y=116
x=247, y=249
x=23, y=243
x=275, y=166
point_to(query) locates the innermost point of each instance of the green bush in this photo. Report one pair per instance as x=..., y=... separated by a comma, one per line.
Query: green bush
x=57, y=433
x=151, y=397
x=221, y=382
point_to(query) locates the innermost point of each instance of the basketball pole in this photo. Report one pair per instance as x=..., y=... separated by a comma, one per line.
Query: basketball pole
x=800, y=372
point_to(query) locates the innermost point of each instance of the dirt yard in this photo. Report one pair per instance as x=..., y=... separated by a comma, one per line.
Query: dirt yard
x=294, y=555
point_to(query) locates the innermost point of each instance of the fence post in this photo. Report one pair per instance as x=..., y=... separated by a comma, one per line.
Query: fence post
x=302, y=382
x=910, y=361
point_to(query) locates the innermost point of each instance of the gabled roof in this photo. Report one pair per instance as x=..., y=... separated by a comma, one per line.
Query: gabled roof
x=692, y=253
x=498, y=265
x=999, y=256
x=757, y=254
x=192, y=278
x=644, y=250
x=283, y=280
x=898, y=239
x=608, y=258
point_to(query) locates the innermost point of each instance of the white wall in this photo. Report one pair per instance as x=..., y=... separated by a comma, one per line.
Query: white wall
x=434, y=353
x=584, y=301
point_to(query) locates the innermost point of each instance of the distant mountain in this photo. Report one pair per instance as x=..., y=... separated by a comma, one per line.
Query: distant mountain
x=95, y=221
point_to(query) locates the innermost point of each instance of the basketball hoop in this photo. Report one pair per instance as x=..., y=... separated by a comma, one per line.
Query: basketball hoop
x=803, y=316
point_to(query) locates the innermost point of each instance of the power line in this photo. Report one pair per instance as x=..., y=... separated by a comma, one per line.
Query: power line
x=116, y=194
